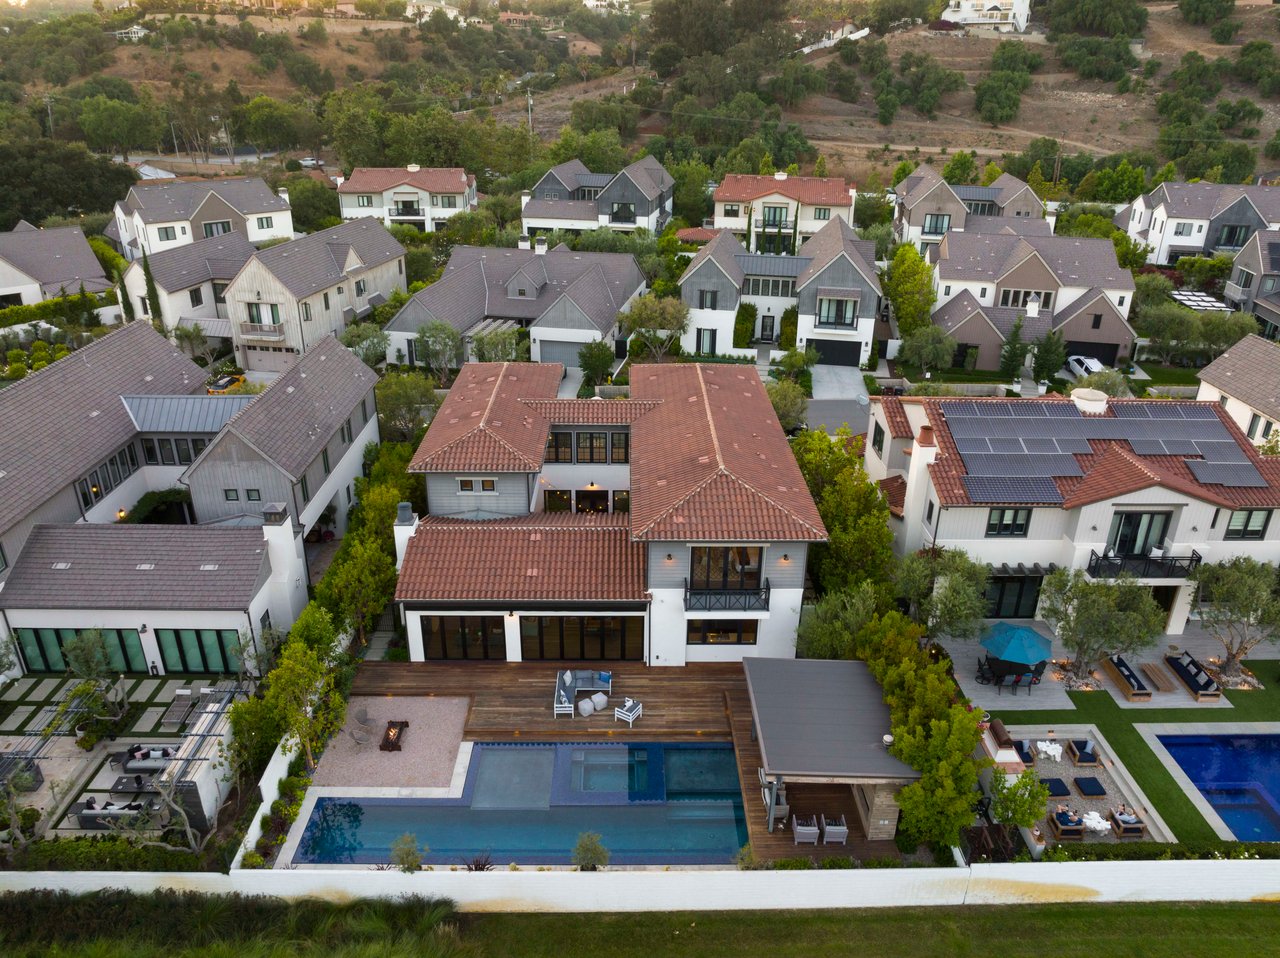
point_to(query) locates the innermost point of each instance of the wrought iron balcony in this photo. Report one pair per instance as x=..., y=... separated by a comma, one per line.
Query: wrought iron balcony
x=726, y=600
x=1142, y=567
x=414, y=211
x=762, y=223
x=262, y=331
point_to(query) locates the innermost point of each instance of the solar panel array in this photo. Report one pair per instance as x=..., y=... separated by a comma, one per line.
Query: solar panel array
x=1012, y=452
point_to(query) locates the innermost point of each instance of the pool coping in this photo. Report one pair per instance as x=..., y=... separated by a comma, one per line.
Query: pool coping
x=1150, y=734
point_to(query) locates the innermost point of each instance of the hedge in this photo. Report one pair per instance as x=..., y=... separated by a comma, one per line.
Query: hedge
x=788, y=327
x=1162, y=851
x=110, y=853
x=744, y=325
x=63, y=307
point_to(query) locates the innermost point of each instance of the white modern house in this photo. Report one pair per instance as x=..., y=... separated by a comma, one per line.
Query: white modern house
x=423, y=198
x=776, y=214
x=666, y=528
x=191, y=282
x=158, y=215
x=1199, y=219
x=287, y=298
x=1245, y=382
x=40, y=264
x=1150, y=489
x=1007, y=16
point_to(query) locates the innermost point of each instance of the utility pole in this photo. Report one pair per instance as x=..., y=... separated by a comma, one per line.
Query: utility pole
x=177, y=151
x=48, y=104
x=527, y=92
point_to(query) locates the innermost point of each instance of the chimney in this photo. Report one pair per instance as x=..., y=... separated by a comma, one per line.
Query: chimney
x=523, y=242
x=339, y=180
x=406, y=525
x=283, y=194
x=284, y=546
x=1033, y=306
x=413, y=168
x=540, y=245
x=780, y=175
x=525, y=197
x=916, y=504
x=1090, y=402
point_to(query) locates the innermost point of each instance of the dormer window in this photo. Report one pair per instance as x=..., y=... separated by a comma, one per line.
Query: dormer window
x=522, y=292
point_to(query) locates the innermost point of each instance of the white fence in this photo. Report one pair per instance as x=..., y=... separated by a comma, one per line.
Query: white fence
x=713, y=890
x=269, y=785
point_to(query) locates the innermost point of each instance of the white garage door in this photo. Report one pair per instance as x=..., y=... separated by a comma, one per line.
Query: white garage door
x=269, y=359
x=557, y=351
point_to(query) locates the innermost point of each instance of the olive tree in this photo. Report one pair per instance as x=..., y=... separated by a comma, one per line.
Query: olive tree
x=1239, y=606
x=1095, y=617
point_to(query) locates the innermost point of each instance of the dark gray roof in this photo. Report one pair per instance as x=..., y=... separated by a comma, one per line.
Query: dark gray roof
x=649, y=175
x=210, y=326
x=219, y=257
x=963, y=305
x=567, y=173
x=723, y=250
x=1074, y=260
x=314, y=262
x=122, y=566
x=595, y=180
x=834, y=239
x=57, y=259
x=1204, y=201
x=187, y=414
x=67, y=418
x=919, y=184
x=560, y=210
x=1012, y=225
x=822, y=719
x=968, y=192
x=1249, y=371
x=292, y=419
x=1009, y=187
x=764, y=264
x=166, y=201
x=474, y=287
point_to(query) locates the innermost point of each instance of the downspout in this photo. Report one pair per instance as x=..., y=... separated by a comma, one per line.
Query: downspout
x=257, y=661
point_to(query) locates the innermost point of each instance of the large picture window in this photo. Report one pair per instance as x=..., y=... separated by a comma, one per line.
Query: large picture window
x=42, y=649
x=200, y=650
x=716, y=568
x=1248, y=524
x=590, y=638
x=840, y=313
x=722, y=631
x=1008, y=522
x=464, y=637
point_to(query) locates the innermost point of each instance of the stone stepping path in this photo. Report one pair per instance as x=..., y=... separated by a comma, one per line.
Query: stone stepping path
x=148, y=721
x=144, y=690
x=18, y=689
x=16, y=718
x=44, y=691
x=166, y=691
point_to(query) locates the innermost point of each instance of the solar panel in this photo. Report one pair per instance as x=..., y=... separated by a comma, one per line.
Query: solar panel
x=1221, y=451
x=1200, y=411
x=1005, y=489
x=1131, y=410
x=1073, y=445
x=1180, y=447
x=1148, y=447
x=1007, y=445
x=1010, y=464
x=1028, y=410
x=1226, y=473
x=1060, y=410
x=1041, y=444
x=973, y=445
x=954, y=409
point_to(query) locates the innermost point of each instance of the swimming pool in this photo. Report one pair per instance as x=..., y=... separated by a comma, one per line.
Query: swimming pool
x=651, y=803
x=1239, y=775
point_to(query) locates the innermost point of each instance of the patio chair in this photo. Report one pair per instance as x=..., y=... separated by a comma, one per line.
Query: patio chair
x=781, y=808
x=1064, y=829
x=363, y=720
x=629, y=711
x=804, y=832
x=361, y=737
x=1123, y=830
x=1082, y=753
x=178, y=710
x=834, y=832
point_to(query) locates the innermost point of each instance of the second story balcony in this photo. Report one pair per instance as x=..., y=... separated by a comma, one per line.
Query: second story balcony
x=726, y=600
x=773, y=224
x=1143, y=567
x=414, y=212
x=269, y=331
x=1235, y=292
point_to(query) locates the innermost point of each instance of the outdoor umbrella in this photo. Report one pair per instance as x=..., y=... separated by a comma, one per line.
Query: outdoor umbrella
x=1016, y=643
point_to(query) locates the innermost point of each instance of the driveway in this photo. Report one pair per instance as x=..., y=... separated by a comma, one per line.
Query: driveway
x=829, y=415
x=570, y=384
x=837, y=382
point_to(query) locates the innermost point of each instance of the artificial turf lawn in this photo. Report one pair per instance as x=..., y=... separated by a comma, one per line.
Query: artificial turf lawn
x=1116, y=725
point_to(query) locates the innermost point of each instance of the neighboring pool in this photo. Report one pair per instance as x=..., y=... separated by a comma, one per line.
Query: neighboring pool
x=1239, y=775
x=652, y=804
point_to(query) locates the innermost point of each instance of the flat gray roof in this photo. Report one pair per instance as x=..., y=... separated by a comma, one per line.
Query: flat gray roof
x=821, y=719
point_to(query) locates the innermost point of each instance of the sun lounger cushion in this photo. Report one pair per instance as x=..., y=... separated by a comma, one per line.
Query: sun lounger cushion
x=1057, y=787
x=1090, y=787
x=1024, y=752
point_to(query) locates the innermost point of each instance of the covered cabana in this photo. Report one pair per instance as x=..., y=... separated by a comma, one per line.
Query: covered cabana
x=820, y=722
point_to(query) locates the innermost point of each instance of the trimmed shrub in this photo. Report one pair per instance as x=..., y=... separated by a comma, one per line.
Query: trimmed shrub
x=63, y=307
x=744, y=325
x=788, y=327
x=108, y=853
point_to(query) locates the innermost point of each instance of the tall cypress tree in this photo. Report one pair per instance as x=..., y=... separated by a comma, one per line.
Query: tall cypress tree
x=153, y=295
x=126, y=301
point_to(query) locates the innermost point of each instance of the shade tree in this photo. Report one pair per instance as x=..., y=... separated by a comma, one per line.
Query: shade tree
x=1099, y=617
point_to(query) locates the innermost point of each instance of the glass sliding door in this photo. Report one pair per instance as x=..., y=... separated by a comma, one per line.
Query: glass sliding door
x=457, y=637
x=1137, y=533
x=588, y=638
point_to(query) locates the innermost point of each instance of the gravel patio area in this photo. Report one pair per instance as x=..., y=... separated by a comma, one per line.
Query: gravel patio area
x=428, y=754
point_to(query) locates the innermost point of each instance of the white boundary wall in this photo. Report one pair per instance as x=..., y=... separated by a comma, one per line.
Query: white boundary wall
x=713, y=890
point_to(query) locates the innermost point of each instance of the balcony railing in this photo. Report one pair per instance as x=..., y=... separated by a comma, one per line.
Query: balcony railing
x=1143, y=567
x=415, y=211
x=772, y=224
x=261, y=331
x=623, y=219
x=1235, y=291
x=726, y=600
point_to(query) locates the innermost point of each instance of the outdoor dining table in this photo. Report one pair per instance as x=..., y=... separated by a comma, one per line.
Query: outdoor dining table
x=1051, y=750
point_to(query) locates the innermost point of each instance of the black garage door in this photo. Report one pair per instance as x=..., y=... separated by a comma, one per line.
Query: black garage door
x=834, y=352
x=1104, y=353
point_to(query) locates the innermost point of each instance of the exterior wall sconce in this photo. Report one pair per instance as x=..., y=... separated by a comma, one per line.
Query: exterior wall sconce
x=786, y=557
x=120, y=514
x=591, y=485
x=511, y=614
x=668, y=556
x=1093, y=528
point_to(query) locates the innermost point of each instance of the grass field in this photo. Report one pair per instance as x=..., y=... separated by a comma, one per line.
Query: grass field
x=1116, y=725
x=1170, y=375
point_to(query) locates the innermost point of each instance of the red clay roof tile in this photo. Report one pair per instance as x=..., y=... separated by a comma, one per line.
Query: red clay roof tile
x=803, y=189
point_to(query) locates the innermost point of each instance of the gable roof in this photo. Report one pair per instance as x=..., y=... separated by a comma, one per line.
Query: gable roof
x=544, y=557
x=1250, y=372
x=215, y=258
x=560, y=210
x=1074, y=260
x=319, y=260
x=432, y=179
x=649, y=176
x=474, y=287
x=567, y=173
x=835, y=238
x=1008, y=187
x=77, y=400
x=483, y=423
x=922, y=181
x=166, y=201
x=1268, y=250
x=896, y=416
x=57, y=259
x=723, y=250
x=290, y=421
x=711, y=461
x=1204, y=200
x=122, y=566
x=812, y=190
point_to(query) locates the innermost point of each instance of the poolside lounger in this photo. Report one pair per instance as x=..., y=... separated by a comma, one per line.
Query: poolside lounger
x=178, y=711
x=834, y=832
x=1090, y=787
x=1082, y=753
x=1121, y=830
x=1126, y=679
x=781, y=810
x=806, y=832
x=1192, y=674
x=1057, y=787
x=1064, y=831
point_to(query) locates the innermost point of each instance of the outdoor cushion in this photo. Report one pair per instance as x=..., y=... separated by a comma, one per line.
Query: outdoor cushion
x=1025, y=753
x=1090, y=787
x=567, y=678
x=1083, y=746
x=1057, y=787
x=605, y=676
x=1064, y=818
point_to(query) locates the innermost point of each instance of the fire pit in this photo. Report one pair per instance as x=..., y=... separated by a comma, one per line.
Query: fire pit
x=393, y=736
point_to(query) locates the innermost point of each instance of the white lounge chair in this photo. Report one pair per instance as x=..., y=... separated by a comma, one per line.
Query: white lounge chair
x=834, y=832
x=629, y=711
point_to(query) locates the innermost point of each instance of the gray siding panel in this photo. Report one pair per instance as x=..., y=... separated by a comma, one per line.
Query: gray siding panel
x=839, y=273
x=511, y=499
x=231, y=464
x=622, y=190
x=564, y=314
x=1239, y=213
x=709, y=276
x=61, y=507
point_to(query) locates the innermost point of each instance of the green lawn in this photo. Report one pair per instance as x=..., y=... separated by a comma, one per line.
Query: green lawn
x=1169, y=375
x=1116, y=725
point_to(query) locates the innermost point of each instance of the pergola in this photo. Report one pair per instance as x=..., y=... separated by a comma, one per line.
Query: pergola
x=825, y=722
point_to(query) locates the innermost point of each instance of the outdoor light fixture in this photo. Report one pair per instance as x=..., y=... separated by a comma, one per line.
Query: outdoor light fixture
x=120, y=514
x=668, y=556
x=1093, y=528
x=887, y=739
x=785, y=557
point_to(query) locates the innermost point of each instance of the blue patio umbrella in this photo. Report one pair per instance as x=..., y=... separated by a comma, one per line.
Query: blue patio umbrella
x=1016, y=643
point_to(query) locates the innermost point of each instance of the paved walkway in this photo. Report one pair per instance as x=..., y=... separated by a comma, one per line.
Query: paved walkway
x=381, y=636
x=570, y=384
x=837, y=382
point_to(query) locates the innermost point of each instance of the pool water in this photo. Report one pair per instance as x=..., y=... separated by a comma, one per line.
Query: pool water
x=1238, y=775
x=651, y=803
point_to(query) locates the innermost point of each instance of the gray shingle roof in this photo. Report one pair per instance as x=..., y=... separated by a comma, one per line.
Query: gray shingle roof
x=474, y=287
x=1010, y=225
x=292, y=419
x=763, y=264
x=560, y=210
x=1249, y=371
x=165, y=201
x=1204, y=201
x=956, y=310
x=967, y=191
x=316, y=261
x=919, y=185
x=724, y=251
x=649, y=175
x=960, y=307
x=835, y=238
x=67, y=418
x=57, y=259
x=186, y=414
x=219, y=257
x=1009, y=187
x=121, y=566
x=568, y=172
x=1074, y=260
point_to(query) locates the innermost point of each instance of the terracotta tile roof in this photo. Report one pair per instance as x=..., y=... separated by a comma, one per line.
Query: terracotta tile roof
x=894, y=490
x=590, y=412
x=697, y=234
x=1249, y=371
x=483, y=424
x=712, y=462
x=813, y=190
x=375, y=179
x=558, y=557
x=1111, y=468
x=896, y=414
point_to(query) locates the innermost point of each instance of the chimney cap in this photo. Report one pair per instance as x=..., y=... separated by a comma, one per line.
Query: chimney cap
x=925, y=437
x=413, y=168
x=404, y=514
x=780, y=175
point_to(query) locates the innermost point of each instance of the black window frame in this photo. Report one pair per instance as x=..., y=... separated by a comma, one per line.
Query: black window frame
x=559, y=447
x=1008, y=523
x=196, y=295
x=707, y=298
x=747, y=631
x=1244, y=532
x=231, y=495
x=717, y=573
x=877, y=439
x=620, y=447
x=597, y=447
